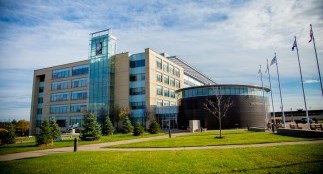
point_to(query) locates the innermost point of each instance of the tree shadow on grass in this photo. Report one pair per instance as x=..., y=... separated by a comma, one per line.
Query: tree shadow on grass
x=281, y=166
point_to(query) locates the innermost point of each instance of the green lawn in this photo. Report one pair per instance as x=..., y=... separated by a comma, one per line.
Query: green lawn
x=281, y=159
x=207, y=139
x=67, y=142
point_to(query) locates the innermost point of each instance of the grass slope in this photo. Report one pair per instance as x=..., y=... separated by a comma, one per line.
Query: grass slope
x=282, y=159
x=207, y=139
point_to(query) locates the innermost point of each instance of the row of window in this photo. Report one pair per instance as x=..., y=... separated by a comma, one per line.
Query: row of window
x=75, y=95
x=137, y=91
x=137, y=77
x=167, y=92
x=166, y=67
x=137, y=63
x=77, y=70
x=61, y=109
x=138, y=105
x=64, y=121
x=161, y=103
x=167, y=80
x=221, y=91
x=76, y=83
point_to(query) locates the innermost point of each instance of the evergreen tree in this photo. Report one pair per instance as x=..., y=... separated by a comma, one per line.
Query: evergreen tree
x=8, y=136
x=138, y=130
x=126, y=126
x=45, y=134
x=56, y=133
x=108, y=128
x=91, y=129
x=154, y=128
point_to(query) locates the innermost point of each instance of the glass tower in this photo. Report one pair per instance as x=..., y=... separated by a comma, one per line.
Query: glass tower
x=102, y=48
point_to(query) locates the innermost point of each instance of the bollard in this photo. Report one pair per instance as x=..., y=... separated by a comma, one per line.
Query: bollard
x=75, y=144
x=201, y=129
x=169, y=134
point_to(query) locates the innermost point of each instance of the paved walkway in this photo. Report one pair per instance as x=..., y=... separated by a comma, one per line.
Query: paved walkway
x=100, y=147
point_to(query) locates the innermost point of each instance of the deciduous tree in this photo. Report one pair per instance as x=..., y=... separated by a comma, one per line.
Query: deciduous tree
x=218, y=108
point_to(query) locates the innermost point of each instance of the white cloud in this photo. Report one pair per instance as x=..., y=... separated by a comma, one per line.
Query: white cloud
x=226, y=40
x=311, y=81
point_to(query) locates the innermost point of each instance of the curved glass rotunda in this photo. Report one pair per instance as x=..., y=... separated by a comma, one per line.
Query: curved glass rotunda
x=249, y=106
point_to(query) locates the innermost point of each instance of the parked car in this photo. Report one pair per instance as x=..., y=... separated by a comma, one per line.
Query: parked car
x=303, y=120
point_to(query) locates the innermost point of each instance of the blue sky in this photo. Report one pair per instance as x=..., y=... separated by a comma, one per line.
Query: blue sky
x=227, y=40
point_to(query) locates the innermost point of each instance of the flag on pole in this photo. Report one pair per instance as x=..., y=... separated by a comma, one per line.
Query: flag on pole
x=267, y=69
x=273, y=61
x=294, y=45
x=311, y=34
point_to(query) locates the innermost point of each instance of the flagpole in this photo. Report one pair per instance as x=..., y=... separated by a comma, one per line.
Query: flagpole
x=271, y=92
x=317, y=61
x=280, y=92
x=300, y=71
x=263, y=97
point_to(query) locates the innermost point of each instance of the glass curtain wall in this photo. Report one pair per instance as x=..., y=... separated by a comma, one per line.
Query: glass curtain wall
x=102, y=47
x=138, y=88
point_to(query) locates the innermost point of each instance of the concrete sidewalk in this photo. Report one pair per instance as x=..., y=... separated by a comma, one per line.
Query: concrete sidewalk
x=90, y=147
x=100, y=147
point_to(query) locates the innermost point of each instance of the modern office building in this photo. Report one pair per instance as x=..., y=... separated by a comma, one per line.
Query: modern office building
x=144, y=82
x=248, y=106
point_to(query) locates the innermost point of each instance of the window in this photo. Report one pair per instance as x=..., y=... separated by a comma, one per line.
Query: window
x=137, y=91
x=172, y=103
x=159, y=77
x=176, y=70
x=166, y=92
x=137, y=63
x=59, y=97
x=40, y=100
x=166, y=79
x=177, y=84
x=172, y=81
x=60, y=85
x=165, y=103
x=165, y=67
x=172, y=93
x=77, y=120
x=138, y=105
x=80, y=107
x=158, y=63
x=159, y=103
x=61, y=73
x=159, y=90
x=171, y=69
x=39, y=110
x=76, y=83
x=58, y=109
x=79, y=95
x=137, y=77
x=80, y=70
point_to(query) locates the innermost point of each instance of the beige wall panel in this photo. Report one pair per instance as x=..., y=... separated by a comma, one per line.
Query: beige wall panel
x=121, y=97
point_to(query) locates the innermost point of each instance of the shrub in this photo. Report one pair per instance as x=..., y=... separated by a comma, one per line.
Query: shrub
x=138, y=130
x=108, y=127
x=154, y=127
x=8, y=135
x=91, y=129
x=126, y=126
x=45, y=134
